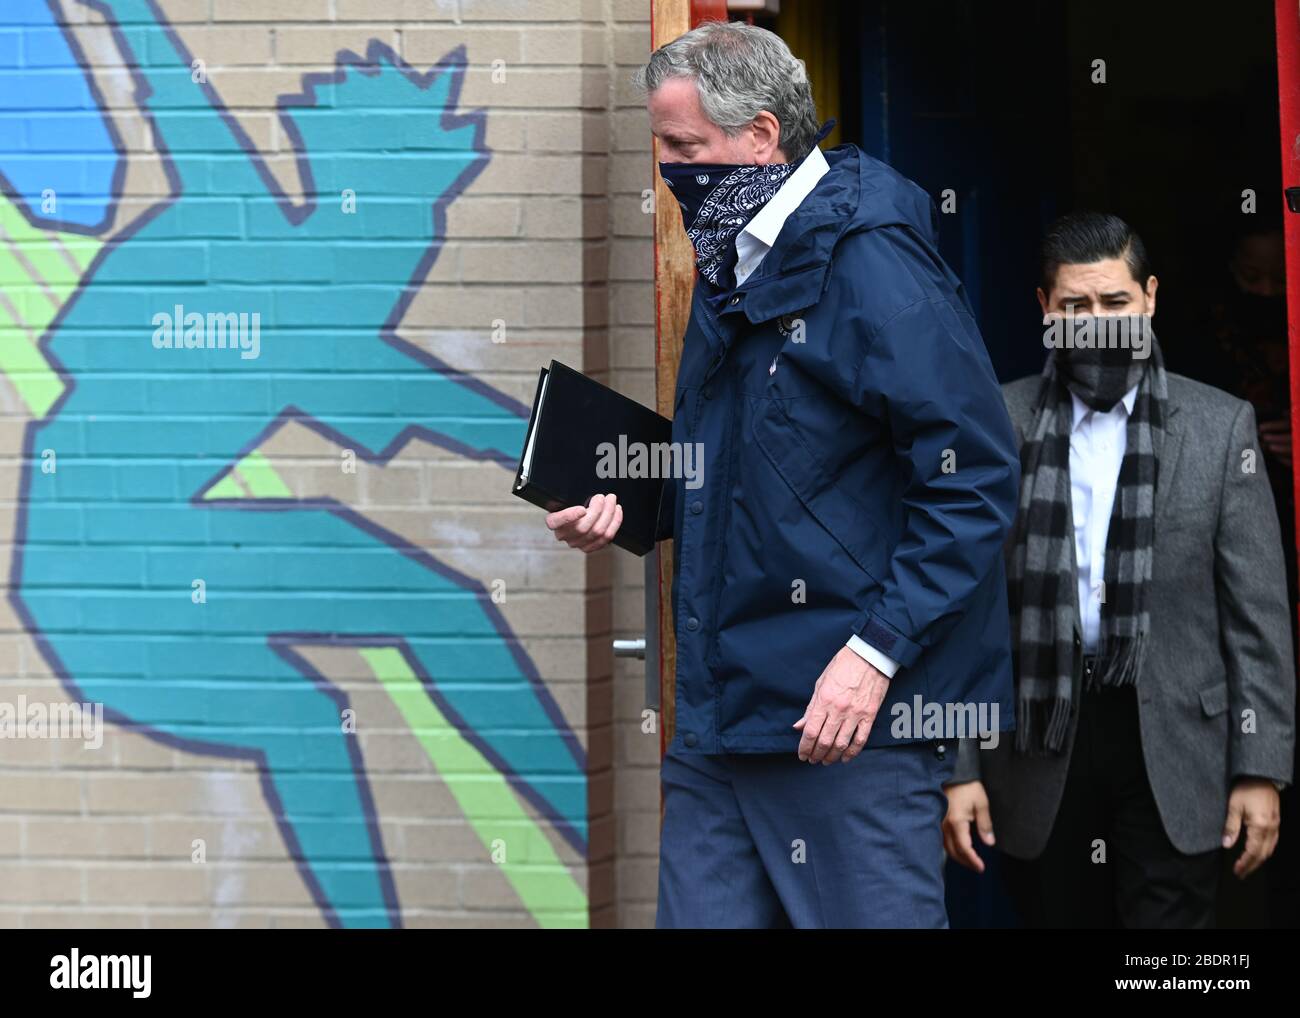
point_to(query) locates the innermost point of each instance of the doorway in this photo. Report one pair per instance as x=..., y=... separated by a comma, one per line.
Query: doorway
x=1011, y=114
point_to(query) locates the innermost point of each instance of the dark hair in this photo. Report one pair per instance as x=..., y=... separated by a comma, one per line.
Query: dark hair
x=1083, y=237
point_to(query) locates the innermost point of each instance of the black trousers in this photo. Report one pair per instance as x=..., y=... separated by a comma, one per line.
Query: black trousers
x=1109, y=813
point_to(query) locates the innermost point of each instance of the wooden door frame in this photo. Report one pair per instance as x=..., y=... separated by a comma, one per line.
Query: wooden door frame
x=674, y=282
x=1287, y=13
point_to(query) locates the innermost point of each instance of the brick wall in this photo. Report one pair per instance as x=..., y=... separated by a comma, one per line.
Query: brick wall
x=346, y=678
x=632, y=355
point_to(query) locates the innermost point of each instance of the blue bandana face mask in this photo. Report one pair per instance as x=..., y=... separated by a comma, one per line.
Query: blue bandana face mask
x=718, y=200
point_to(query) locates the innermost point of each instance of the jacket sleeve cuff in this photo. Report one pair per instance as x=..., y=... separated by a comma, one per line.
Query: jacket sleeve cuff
x=1270, y=761
x=1279, y=783
x=873, y=657
x=887, y=640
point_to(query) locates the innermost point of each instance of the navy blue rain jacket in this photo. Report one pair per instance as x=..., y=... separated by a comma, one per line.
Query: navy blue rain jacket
x=859, y=476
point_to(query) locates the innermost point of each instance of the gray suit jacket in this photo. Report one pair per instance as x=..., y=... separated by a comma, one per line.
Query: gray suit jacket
x=1216, y=697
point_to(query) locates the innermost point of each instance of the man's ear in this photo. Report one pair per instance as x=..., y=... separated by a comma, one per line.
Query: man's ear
x=766, y=133
x=1042, y=301
x=1152, y=282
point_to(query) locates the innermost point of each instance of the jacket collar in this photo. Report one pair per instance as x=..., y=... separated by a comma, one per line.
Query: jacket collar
x=793, y=274
x=761, y=231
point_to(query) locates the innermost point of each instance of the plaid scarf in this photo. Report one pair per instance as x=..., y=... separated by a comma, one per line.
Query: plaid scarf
x=1041, y=567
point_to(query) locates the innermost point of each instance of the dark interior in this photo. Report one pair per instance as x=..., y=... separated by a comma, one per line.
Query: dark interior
x=997, y=103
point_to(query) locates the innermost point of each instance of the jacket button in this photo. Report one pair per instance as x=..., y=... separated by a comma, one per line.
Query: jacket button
x=697, y=507
x=689, y=739
x=692, y=623
x=940, y=750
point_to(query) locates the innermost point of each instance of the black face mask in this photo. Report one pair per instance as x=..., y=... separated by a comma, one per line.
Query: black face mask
x=1100, y=375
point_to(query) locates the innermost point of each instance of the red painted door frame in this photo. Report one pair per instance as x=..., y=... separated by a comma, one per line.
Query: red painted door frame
x=1287, y=14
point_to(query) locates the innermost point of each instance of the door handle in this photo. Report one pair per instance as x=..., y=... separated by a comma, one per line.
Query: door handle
x=630, y=648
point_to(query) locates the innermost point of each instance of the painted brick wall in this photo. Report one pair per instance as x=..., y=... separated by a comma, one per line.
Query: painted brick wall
x=346, y=678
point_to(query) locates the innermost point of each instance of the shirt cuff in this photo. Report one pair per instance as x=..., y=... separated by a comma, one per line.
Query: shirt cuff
x=873, y=657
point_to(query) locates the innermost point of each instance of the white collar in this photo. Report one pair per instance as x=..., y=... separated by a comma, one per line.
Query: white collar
x=1082, y=410
x=765, y=226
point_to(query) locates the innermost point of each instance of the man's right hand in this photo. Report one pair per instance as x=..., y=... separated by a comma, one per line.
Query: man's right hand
x=968, y=804
x=587, y=529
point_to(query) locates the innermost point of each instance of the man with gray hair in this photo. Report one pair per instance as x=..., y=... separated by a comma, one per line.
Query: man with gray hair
x=842, y=559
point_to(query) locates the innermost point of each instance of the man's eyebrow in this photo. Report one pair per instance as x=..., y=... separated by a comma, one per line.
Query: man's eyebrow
x=1115, y=294
x=1071, y=298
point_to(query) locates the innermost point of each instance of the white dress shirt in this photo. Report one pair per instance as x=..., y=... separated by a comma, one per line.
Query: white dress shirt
x=1097, y=444
x=752, y=245
x=760, y=233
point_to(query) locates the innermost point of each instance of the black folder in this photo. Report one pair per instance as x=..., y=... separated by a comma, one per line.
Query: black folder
x=572, y=420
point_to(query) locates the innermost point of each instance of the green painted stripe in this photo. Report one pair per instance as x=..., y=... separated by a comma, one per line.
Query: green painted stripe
x=36, y=248
x=538, y=875
x=82, y=249
x=12, y=273
x=27, y=369
x=260, y=478
x=227, y=487
x=21, y=361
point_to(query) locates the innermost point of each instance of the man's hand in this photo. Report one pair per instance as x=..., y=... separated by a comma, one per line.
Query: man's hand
x=844, y=703
x=588, y=529
x=1253, y=802
x=968, y=804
